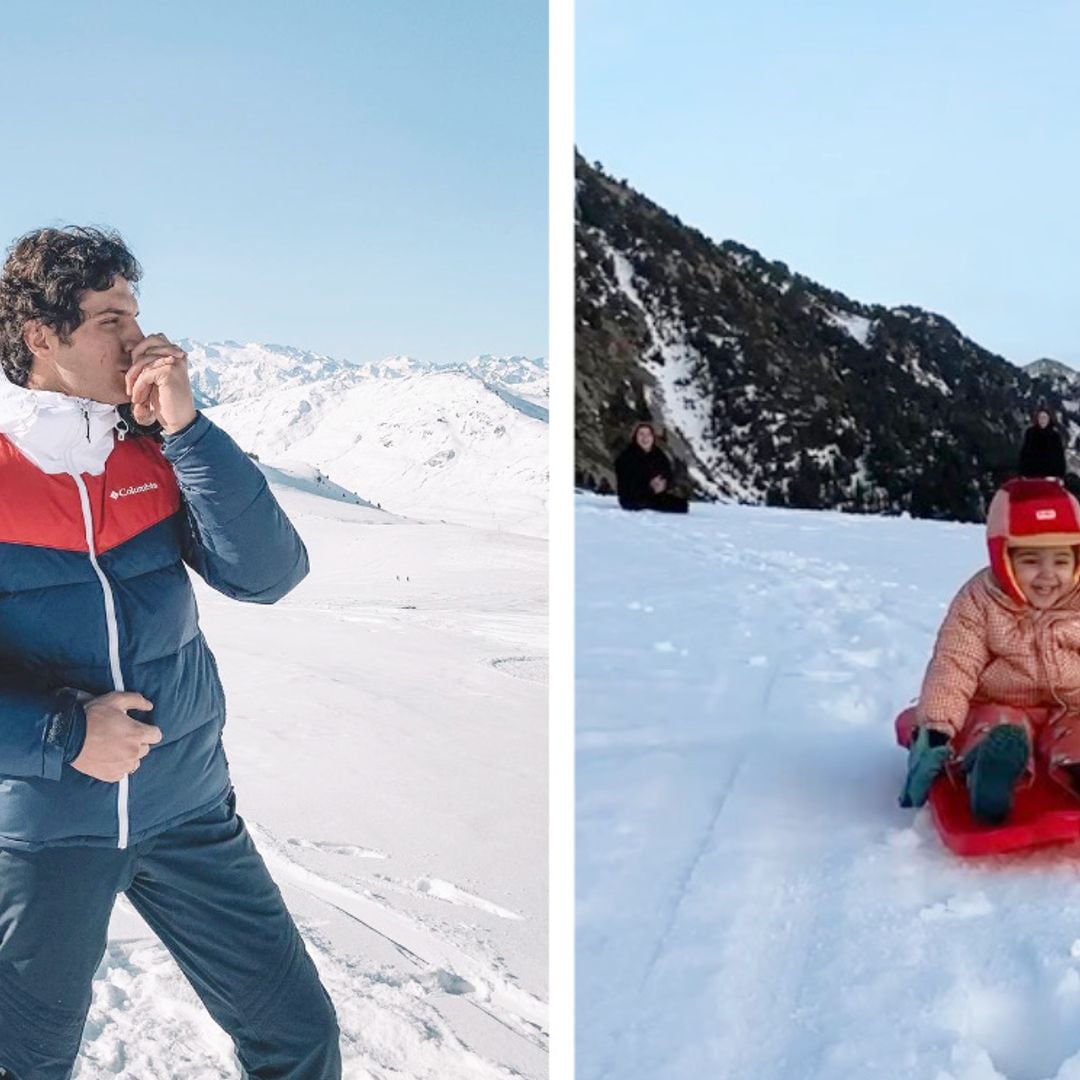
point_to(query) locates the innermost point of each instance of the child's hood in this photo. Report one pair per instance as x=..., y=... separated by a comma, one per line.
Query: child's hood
x=1030, y=513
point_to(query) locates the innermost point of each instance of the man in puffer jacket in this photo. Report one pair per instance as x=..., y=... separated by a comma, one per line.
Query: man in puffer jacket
x=1004, y=681
x=112, y=773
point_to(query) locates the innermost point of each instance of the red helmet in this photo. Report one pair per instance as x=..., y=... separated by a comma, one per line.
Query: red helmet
x=1029, y=513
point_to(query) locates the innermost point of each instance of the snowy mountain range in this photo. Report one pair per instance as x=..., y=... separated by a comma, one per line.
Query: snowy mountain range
x=463, y=443
x=775, y=389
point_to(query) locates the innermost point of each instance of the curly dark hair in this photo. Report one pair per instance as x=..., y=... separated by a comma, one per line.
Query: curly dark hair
x=44, y=277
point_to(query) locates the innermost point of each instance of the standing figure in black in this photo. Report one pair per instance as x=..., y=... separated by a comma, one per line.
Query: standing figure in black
x=643, y=475
x=1043, y=453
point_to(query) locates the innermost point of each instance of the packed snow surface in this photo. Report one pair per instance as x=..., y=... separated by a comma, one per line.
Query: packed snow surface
x=387, y=735
x=751, y=901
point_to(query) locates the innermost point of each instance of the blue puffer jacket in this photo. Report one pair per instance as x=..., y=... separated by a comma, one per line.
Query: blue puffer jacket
x=95, y=529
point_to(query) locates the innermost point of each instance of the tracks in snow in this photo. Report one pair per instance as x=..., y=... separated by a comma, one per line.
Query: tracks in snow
x=146, y=1022
x=718, y=704
x=685, y=883
x=454, y=970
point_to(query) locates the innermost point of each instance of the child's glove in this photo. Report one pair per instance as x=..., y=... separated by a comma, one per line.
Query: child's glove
x=927, y=754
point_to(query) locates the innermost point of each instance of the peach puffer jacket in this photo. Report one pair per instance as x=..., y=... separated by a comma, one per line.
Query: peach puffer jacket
x=990, y=648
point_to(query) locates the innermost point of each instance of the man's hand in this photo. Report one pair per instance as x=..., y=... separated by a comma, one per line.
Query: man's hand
x=158, y=384
x=658, y=483
x=115, y=743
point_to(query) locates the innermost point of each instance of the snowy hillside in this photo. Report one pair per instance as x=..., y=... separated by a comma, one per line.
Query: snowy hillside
x=751, y=900
x=464, y=443
x=775, y=389
x=513, y=377
x=436, y=445
x=307, y=478
x=387, y=735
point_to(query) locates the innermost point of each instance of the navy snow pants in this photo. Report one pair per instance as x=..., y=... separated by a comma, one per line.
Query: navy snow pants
x=205, y=891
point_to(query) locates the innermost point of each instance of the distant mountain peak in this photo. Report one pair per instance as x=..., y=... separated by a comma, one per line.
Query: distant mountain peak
x=463, y=443
x=1046, y=366
x=229, y=371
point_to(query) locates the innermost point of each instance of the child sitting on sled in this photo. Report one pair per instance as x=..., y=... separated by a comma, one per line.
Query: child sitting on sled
x=1003, y=686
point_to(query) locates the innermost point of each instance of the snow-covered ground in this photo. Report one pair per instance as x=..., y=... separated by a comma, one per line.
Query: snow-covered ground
x=387, y=735
x=751, y=901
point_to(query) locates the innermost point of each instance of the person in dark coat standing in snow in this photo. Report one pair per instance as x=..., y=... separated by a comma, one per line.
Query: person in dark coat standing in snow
x=643, y=475
x=113, y=773
x=1043, y=453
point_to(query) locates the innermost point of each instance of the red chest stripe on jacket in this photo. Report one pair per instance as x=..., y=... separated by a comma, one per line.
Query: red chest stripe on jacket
x=136, y=490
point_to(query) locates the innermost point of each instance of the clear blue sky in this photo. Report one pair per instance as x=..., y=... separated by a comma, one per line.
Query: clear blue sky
x=357, y=178
x=914, y=152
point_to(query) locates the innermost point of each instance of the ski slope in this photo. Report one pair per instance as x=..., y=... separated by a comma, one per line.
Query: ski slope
x=437, y=445
x=387, y=735
x=464, y=443
x=751, y=901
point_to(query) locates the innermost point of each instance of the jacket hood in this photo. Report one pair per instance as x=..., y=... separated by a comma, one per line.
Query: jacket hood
x=57, y=432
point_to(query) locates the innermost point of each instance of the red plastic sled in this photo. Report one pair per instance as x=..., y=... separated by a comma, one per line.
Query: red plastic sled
x=1043, y=812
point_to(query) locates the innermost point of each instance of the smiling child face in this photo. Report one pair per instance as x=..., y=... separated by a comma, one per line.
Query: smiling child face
x=1044, y=574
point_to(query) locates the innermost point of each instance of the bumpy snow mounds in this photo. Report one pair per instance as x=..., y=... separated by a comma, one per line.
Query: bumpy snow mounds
x=402, y=814
x=464, y=443
x=751, y=900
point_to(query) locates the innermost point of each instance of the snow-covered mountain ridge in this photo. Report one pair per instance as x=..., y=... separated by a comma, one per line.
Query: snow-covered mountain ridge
x=227, y=371
x=773, y=388
x=464, y=443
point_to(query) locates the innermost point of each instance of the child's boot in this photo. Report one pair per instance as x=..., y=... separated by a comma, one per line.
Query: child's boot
x=993, y=768
x=1072, y=777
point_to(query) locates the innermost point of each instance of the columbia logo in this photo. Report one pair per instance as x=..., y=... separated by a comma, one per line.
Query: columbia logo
x=1045, y=515
x=120, y=493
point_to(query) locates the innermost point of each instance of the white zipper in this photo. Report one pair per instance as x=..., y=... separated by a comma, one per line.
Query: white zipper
x=112, y=630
